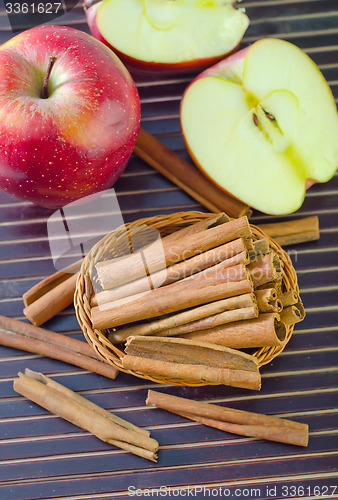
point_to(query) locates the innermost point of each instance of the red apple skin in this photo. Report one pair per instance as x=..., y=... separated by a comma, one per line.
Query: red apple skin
x=78, y=140
x=214, y=71
x=151, y=67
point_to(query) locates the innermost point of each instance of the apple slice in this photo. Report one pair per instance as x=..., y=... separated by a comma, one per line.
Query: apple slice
x=167, y=35
x=263, y=125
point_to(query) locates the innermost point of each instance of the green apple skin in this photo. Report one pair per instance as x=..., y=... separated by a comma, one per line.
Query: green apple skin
x=77, y=141
x=161, y=62
x=262, y=124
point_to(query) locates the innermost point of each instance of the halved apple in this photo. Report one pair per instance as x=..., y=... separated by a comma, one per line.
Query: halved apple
x=263, y=125
x=167, y=35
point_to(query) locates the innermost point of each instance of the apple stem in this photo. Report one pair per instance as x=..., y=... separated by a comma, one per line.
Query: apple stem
x=44, y=93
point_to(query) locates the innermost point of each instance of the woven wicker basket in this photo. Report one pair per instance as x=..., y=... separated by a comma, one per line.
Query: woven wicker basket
x=116, y=244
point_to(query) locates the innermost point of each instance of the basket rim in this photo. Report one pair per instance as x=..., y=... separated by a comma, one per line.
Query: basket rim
x=98, y=340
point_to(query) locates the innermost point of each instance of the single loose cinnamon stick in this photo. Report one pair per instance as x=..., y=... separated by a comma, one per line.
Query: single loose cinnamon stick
x=80, y=412
x=76, y=397
x=52, y=302
x=30, y=338
x=186, y=176
x=294, y=231
x=265, y=331
x=47, y=284
x=212, y=284
x=231, y=254
x=164, y=253
x=239, y=422
x=267, y=300
x=265, y=268
x=153, y=327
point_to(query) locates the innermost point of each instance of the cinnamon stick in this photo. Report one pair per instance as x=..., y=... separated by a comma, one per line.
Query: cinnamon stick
x=276, y=284
x=207, y=286
x=294, y=231
x=260, y=247
x=179, y=359
x=244, y=313
x=47, y=284
x=265, y=331
x=30, y=338
x=164, y=253
x=77, y=410
x=160, y=325
x=191, y=373
x=289, y=298
x=231, y=420
x=52, y=302
x=267, y=300
x=293, y=314
x=191, y=352
x=231, y=254
x=265, y=268
x=187, y=176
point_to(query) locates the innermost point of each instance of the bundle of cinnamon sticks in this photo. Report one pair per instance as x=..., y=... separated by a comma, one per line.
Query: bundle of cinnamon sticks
x=56, y=292
x=210, y=282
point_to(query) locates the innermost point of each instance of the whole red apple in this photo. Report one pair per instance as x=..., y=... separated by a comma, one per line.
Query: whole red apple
x=69, y=116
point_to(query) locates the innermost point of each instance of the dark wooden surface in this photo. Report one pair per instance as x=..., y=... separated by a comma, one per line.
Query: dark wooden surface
x=42, y=456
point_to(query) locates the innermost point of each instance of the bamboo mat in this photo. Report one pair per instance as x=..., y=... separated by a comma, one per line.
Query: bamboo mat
x=42, y=456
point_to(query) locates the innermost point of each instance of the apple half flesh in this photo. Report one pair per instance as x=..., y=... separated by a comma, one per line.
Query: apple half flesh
x=167, y=35
x=263, y=125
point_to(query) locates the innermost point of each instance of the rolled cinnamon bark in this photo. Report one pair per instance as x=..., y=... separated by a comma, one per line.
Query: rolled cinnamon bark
x=164, y=253
x=52, y=302
x=222, y=318
x=153, y=327
x=294, y=231
x=265, y=331
x=192, y=373
x=30, y=338
x=293, y=314
x=277, y=284
x=235, y=421
x=212, y=284
x=36, y=387
x=260, y=247
x=211, y=220
x=289, y=298
x=50, y=282
x=187, y=176
x=199, y=362
x=160, y=325
x=265, y=268
x=231, y=254
x=190, y=352
x=40, y=377
x=267, y=300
